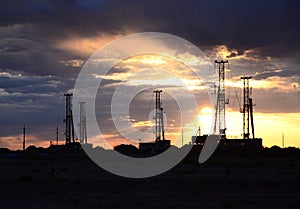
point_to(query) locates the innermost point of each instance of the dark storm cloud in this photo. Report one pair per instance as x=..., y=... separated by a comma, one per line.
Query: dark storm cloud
x=238, y=24
x=31, y=98
x=287, y=72
x=21, y=51
x=31, y=29
x=241, y=25
x=10, y=78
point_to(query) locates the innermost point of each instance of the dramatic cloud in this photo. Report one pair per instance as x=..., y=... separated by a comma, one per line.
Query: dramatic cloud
x=44, y=44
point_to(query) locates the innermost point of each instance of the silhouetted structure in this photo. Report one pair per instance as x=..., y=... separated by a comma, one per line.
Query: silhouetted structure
x=24, y=137
x=221, y=100
x=69, y=120
x=82, y=124
x=224, y=144
x=240, y=145
x=160, y=144
x=159, y=117
x=56, y=135
x=247, y=109
x=126, y=149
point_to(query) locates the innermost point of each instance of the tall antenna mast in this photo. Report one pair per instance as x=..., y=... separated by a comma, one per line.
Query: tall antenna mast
x=221, y=100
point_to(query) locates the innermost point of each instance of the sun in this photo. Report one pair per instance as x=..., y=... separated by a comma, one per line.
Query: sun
x=206, y=110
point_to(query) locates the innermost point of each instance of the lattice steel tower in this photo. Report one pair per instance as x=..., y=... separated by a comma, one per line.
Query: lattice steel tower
x=159, y=118
x=221, y=100
x=82, y=124
x=247, y=108
x=69, y=119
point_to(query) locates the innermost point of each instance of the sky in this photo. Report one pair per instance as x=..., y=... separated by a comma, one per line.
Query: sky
x=44, y=44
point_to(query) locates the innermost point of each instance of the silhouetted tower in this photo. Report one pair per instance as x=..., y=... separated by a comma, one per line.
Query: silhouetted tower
x=82, y=124
x=159, y=117
x=24, y=137
x=221, y=100
x=69, y=120
x=247, y=109
x=251, y=112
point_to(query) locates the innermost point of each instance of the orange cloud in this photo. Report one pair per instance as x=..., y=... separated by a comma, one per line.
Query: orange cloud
x=85, y=46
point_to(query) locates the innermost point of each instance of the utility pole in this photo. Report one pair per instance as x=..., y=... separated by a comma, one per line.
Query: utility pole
x=221, y=100
x=56, y=135
x=24, y=137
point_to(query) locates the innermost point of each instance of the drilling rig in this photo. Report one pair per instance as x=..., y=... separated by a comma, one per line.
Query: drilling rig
x=159, y=117
x=247, y=109
x=221, y=101
x=82, y=124
x=69, y=120
x=160, y=144
x=232, y=144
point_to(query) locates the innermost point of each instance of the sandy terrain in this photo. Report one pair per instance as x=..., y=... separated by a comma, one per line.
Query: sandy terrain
x=226, y=181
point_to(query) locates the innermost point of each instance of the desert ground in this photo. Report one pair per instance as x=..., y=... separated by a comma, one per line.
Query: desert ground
x=268, y=180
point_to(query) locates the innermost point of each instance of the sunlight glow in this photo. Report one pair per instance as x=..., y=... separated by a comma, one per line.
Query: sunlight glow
x=274, y=82
x=205, y=119
x=207, y=110
x=268, y=126
x=142, y=124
